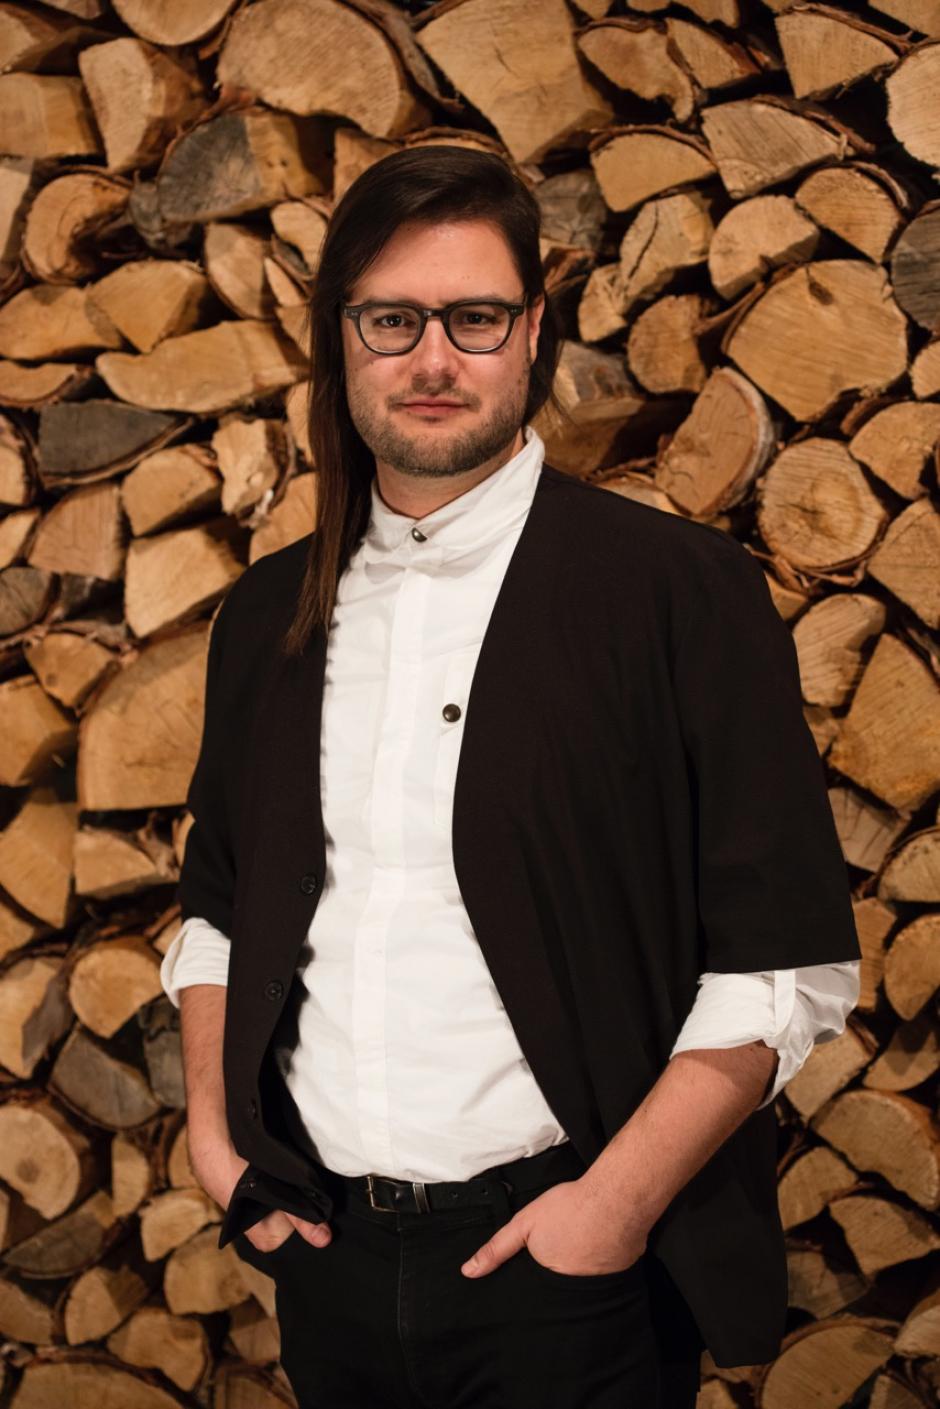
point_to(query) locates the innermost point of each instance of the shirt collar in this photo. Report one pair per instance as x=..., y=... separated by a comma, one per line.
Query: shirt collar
x=467, y=522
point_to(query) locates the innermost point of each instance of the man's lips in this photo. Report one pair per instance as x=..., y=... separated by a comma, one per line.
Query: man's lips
x=453, y=404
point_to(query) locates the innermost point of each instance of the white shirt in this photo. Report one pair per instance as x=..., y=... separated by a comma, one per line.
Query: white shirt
x=406, y=1063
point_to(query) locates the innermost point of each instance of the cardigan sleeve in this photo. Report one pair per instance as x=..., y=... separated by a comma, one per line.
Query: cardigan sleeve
x=771, y=882
x=207, y=874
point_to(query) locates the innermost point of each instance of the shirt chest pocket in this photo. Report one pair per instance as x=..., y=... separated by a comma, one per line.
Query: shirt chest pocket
x=454, y=693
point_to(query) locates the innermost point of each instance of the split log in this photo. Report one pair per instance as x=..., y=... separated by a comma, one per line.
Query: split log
x=86, y=1383
x=915, y=267
x=910, y=1058
x=169, y=485
x=755, y=236
x=808, y=1185
x=882, y=1233
x=234, y=258
x=718, y=452
x=46, y=116
x=911, y=112
x=34, y=1011
x=830, y=640
x=88, y=440
x=109, y=981
x=859, y=202
x=913, y=870
x=897, y=444
x=637, y=55
x=756, y=142
x=841, y=1352
x=148, y=300
x=664, y=346
x=176, y=1345
x=171, y=24
x=907, y=560
x=890, y=1134
x=98, y=1086
x=83, y=533
x=633, y=164
x=36, y=855
x=826, y=49
x=64, y=220
x=201, y=1277
x=53, y=320
x=69, y=1244
x=36, y=730
x=140, y=97
x=815, y=507
x=829, y=1069
x=912, y=966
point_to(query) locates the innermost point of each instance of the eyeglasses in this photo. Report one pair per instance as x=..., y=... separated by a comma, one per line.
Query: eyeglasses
x=471, y=324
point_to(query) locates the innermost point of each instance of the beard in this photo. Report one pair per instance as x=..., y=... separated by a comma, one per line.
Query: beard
x=429, y=451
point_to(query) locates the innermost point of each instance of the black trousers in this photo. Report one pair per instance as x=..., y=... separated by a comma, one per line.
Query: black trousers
x=383, y=1318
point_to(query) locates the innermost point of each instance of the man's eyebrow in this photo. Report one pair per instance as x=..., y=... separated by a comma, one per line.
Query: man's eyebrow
x=419, y=303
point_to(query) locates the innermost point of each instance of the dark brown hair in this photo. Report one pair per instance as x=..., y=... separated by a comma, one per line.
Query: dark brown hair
x=430, y=183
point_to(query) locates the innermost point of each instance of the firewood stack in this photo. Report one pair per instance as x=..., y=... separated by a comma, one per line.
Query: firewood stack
x=742, y=234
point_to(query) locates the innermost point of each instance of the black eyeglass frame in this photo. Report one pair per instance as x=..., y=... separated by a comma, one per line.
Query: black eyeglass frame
x=353, y=310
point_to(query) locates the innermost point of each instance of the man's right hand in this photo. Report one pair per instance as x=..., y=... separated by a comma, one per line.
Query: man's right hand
x=218, y=1170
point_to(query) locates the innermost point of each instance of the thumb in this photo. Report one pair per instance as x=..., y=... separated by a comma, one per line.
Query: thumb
x=317, y=1233
x=506, y=1241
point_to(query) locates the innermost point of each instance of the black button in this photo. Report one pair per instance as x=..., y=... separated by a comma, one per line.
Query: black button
x=249, y=1181
x=451, y=712
x=273, y=989
x=418, y=535
x=309, y=882
x=253, y=1109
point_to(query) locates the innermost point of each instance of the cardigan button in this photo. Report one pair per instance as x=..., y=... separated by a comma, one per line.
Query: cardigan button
x=451, y=712
x=253, y=1109
x=249, y=1181
x=273, y=989
x=308, y=882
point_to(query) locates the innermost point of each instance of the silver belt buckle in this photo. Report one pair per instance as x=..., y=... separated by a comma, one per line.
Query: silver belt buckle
x=371, y=1192
x=421, y=1197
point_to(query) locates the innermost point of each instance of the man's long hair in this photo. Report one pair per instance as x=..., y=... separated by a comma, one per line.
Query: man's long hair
x=432, y=183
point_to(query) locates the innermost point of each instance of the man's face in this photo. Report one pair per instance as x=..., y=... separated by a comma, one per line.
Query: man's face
x=433, y=265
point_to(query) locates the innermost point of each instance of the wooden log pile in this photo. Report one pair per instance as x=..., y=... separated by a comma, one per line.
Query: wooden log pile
x=742, y=235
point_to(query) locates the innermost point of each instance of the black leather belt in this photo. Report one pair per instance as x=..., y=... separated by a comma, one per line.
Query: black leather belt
x=493, y=1186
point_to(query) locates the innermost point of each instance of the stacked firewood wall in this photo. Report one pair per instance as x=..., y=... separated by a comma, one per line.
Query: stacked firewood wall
x=742, y=235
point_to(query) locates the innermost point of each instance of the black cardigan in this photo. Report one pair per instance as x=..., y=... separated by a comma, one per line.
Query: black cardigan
x=638, y=799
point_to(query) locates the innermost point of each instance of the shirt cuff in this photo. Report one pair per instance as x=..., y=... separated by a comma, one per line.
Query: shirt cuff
x=199, y=953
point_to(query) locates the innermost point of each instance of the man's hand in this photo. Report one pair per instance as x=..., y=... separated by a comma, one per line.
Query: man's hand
x=567, y=1230
x=219, y=1168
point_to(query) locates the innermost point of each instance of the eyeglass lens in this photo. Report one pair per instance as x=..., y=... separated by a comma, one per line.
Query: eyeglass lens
x=475, y=327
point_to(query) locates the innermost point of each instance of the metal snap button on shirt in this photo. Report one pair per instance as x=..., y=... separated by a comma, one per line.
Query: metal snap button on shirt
x=418, y=536
x=273, y=989
x=451, y=712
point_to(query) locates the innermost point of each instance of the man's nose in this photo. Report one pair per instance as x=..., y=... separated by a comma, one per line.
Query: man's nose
x=435, y=352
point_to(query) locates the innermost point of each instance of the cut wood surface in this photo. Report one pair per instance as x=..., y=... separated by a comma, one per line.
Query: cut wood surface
x=740, y=232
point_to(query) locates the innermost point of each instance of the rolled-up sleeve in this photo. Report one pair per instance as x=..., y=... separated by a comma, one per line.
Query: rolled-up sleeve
x=199, y=953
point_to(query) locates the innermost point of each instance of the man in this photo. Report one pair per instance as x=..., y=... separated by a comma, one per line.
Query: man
x=460, y=862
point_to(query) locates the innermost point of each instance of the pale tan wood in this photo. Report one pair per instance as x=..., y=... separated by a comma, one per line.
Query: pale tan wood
x=83, y=533
x=317, y=56
x=807, y=1186
x=170, y=484
x=35, y=731
x=110, y=863
x=29, y=1311
x=44, y=1155
x=170, y=1219
x=821, y=1285
x=15, y=485
x=232, y=163
x=815, y=507
x=46, y=116
x=302, y=225
x=86, y=9
x=859, y=202
x=601, y=309
x=64, y=217
x=99, y=1086
x=16, y=929
x=30, y=387
x=912, y=113
x=757, y=142
x=818, y=331
x=293, y=517
x=88, y=1383
x=925, y=370
x=830, y=641
x=829, y=1068
x=201, y=1277
x=758, y=235
x=210, y=370
x=139, y=742
x=911, y=1056
x=913, y=871
x=663, y=348
x=171, y=576
x=889, y=1134
x=234, y=259
x=666, y=235
x=907, y=560
x=889, y=742
x=634, y=484
x=36, y=855
x=141, y=96
x=882, y=1233
x=725, y=11
x=897, y=443
x=873, y=922
x=355, y=152
x=636, y=56
x=34, y=1011
x=148, y=300
x=599, y=401
x=295, y=322
x=254, y=1333
x=549, y=96
x=101, y=1298
x=68, y=664
x=165, y=22
x=179, y=1169
x=912, y=966
x=296, y=401
x=110, y=980
x=252, y=456
x=825, y=48
x=920, y=1333
x=25, y=595
x=53, y=320
x=20, y=178
x=285, y=290
x=719, y=450
x=843, y=1352
x=715, y=60
x=176, y=1345
x=633, y=164
x=131, y=1175
x=923, y=15
x=68, y=1244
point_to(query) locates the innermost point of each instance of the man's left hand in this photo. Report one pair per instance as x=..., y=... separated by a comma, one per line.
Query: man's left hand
x=568, y=1231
